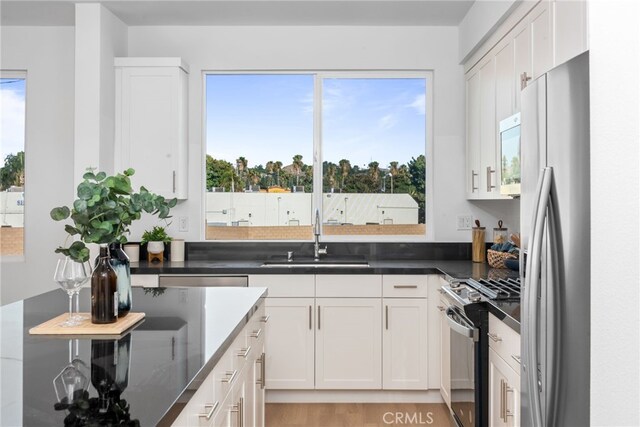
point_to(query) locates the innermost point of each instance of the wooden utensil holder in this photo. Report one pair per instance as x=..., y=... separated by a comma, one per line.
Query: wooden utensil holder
x=478, y=246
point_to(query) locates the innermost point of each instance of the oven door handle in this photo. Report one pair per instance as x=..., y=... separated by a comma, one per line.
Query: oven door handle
x=463, y=330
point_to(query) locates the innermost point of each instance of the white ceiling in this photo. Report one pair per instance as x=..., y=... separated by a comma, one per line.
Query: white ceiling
x=245, y=12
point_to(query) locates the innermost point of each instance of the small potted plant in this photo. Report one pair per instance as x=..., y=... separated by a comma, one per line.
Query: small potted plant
x=155, y=240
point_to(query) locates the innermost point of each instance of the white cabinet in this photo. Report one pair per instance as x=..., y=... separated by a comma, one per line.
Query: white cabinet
x=348, y=343
x=504, y=393
x=289, y=343
x=151, y=123
x=521, y=61
x=473, y=135
x=569, y=29
x=404, y=344
x=504, y=374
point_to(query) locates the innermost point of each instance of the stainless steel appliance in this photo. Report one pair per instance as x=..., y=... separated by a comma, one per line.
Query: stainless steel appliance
x=555, y=222
x=510, y=156
x=467, y=316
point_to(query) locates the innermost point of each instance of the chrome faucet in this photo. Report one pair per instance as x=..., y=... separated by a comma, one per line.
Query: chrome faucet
x=317, y=250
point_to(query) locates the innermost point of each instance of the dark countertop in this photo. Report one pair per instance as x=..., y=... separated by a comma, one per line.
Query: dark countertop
x=454, y=269
x=158, y=363
x=508, y=312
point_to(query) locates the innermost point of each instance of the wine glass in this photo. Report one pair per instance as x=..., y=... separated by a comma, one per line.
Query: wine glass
x=82, y=279
x=73, y=380
x=70, y=275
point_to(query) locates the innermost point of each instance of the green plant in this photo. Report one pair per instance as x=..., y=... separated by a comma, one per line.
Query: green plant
x=157, y=234
x=104, y=210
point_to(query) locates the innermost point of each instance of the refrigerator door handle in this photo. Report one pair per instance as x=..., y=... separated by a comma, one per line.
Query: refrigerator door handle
x=532, y=286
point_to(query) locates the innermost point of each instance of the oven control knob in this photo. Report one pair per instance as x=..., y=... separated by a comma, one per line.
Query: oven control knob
x=474, y=296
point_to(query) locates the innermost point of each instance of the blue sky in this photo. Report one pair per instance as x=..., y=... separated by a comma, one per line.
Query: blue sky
x=270, y=117
x=12, y=116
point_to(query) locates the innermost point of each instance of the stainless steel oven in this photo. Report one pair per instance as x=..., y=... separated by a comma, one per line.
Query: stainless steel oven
x=463, y=338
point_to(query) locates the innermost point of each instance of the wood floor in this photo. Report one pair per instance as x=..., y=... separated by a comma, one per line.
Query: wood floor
x=356, y=414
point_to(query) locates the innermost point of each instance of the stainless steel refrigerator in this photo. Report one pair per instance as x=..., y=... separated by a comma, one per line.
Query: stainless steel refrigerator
x=555, y=228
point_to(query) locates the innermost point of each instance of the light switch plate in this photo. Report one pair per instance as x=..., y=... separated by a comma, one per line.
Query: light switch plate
x=183, y=224
x=464, y=222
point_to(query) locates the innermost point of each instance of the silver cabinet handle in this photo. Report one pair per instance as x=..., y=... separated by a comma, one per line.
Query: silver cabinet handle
x=241, y=414
x=405, y=286
x=494, y=337
x=386, y=316
x=516, y=358
x=261, y=360
x=264, y=319
x=473, y=180
x=174, y=181
x=256, y=334
x=244, y=352
x=489, y=172
x=523, y=80
x=230, y=378
x=318, y=317
x=310, y=318
x=502, y=395
x=507, y=412
x=212, y=409
x=441, y=308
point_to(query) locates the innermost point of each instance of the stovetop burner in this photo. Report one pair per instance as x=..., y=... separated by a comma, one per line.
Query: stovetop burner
x=497, y=289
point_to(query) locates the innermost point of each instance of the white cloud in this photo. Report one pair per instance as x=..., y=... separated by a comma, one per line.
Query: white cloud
x=12, y=112
x=387, y=122
x=419, y=104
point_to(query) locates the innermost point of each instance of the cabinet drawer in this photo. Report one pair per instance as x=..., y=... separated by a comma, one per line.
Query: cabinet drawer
x=145, y=280
x=505, y=342
x=400, y=286
x=285, y=285
x=349, y=285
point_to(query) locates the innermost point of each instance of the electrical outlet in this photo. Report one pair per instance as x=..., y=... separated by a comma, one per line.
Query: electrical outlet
x=183, y=224
x=464, y=222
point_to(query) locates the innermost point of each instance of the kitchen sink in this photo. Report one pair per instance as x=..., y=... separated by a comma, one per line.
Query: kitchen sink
x=311, y=263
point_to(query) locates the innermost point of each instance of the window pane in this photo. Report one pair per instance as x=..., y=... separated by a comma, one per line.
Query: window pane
x=373, y=148
x=12, y=179
x=259, y=166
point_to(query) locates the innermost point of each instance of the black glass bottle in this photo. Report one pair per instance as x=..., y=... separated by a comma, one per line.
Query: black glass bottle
x=103, y=370
x=104, y=290
x=120, y=263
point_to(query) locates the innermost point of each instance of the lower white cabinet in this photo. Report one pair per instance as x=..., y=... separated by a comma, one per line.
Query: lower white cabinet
x=290, y=343
x=504, y=393
x=404, y=344
x=348, y=343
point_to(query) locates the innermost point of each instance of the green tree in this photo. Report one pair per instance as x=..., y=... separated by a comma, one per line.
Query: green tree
x=220, y=173
x=374, y=174
x=297, y=167
x=277, y=168
x=345, y=169
x=417, y=170
x=12, y=173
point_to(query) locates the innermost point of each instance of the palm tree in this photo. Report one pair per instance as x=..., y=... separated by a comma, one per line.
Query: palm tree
x=253, y=176
x=297, y=167
x=374, y=171
x=331, y=175
x=393, y=171
x=241, y=164
x=345, y=168
x=277, y=167
x=269, y=168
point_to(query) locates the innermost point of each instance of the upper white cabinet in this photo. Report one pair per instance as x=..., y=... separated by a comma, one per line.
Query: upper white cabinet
x=151, y=123
x=549, y=34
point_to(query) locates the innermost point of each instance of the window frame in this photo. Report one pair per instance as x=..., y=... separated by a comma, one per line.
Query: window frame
x=318, y=77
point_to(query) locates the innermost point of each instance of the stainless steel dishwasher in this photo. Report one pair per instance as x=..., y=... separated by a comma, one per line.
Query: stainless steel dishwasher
x=181, y=281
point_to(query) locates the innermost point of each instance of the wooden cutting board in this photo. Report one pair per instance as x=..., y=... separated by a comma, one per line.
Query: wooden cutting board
x=52, y=327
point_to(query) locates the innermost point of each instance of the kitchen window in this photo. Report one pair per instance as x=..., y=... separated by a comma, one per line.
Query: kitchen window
x=367, y=132
x=12, y=170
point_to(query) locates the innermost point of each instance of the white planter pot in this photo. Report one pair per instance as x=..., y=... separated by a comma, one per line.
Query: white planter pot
x=155, y=247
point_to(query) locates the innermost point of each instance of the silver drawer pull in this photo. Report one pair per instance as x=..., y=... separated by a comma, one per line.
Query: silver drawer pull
x=230, y=378
x=494, y=337
x=212, y=409
x=441, y=308
x=244, y=352
x=256, y=334
x=405, y=286
x=516, y=358
x=264, y=319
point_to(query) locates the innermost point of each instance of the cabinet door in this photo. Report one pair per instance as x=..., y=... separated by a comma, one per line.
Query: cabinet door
x=289, y=343
x=404, y=344
x=472, y=182
x=569, y=30
x=445, y=355
x=488, y=134
x=151, y=127
x=259, y=393
x=504, y=393
x=504, y=81
x=348, y=343
x=541, y=37
x=521, y=59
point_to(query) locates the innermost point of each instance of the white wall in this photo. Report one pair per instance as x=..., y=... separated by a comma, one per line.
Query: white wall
x=47, y=54
x=329, y=48
x=615, y=211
